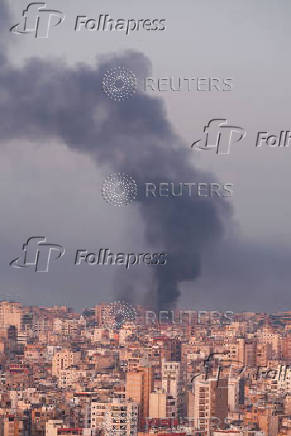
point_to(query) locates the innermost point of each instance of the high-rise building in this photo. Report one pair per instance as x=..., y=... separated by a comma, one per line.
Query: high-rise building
x=99, y=313
x=210, y=403
x=235, y=393
x=247, y=352
x=268, y=421
x=14, y=426
x=158, y=405
x=52, y=427
x=10, y=315
x=139, y=385
x=264, y=353
x=286, y=347
x=288, y=405
x=172, y=382
x=171, y=378
x=162, y=405
x=283, y=377
x=119, y=417
x=63, y=360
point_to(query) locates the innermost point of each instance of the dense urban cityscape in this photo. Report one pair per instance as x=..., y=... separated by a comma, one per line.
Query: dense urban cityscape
x=128, y=371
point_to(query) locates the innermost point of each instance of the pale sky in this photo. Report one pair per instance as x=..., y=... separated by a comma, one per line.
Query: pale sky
x=49, y=188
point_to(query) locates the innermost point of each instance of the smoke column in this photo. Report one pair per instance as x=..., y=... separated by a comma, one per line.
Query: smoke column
x=49, y=99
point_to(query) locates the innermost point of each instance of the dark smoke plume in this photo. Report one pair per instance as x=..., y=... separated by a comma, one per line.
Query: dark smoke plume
x=49, y=99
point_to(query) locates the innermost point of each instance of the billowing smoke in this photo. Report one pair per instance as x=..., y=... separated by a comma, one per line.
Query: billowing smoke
x=49, y=99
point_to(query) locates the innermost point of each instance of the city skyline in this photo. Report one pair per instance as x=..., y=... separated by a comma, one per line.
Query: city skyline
x=104, y=372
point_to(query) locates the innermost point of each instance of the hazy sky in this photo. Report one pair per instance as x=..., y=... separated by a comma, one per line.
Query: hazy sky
x=51, y=186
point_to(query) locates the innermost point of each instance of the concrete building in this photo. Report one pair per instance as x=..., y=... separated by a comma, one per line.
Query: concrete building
x=162, y=405
x=172, y=383
x=210, y=403
x=10, y=315
x=139, y=385
x=119, y=417
x=52, y=427
x=63, y=360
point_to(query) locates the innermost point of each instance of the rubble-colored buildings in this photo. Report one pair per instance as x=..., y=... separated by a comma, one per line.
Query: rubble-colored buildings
x=183, y=373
